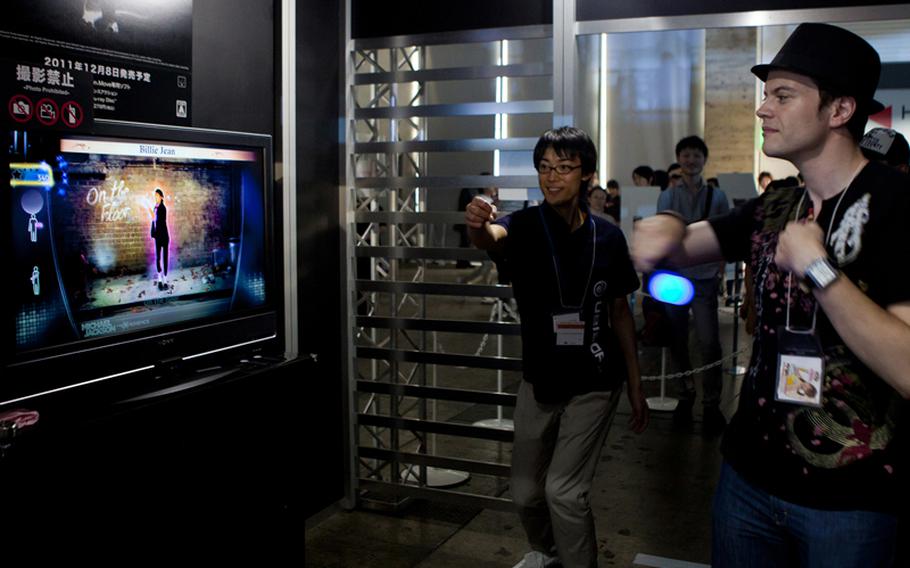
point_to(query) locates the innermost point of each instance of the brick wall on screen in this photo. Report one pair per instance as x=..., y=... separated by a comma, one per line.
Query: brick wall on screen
x=109, y=219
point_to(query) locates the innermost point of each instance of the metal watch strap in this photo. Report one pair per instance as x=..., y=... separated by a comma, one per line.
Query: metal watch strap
x=821, y=273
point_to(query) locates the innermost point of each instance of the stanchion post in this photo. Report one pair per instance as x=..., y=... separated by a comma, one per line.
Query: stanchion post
x=499, y=421
x=663, y=402
x=735, y=369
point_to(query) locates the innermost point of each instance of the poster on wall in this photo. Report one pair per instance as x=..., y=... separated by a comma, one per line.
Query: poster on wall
x=896, y=114
x=138, y=54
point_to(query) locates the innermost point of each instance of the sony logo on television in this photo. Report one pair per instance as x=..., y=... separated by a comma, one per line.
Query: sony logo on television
x=154, y=150
x=166, y=341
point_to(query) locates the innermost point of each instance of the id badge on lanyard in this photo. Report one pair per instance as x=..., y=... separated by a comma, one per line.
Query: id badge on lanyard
x=569, y=328
x=800, y=360
x=800, y=367
x=568, y=324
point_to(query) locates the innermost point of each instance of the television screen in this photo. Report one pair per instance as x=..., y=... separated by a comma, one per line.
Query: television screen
x=118, y=238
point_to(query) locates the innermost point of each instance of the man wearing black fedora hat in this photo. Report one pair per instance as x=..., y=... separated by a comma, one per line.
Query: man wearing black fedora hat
x=812, y=472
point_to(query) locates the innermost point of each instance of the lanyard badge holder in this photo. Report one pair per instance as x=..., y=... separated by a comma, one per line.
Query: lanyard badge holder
x=568, y=324
x=800, y=365
x=800, y=360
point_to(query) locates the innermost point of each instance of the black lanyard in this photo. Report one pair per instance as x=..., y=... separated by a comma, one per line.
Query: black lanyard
x=584, y=292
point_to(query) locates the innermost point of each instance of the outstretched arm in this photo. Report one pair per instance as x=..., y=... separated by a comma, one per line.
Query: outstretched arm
x=483, y=234
x=666, y=238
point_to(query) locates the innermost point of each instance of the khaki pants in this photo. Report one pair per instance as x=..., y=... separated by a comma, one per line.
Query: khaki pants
x=554, y=457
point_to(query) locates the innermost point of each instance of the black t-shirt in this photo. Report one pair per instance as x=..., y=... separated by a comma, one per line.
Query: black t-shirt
x=843, y=455
x=559, y=372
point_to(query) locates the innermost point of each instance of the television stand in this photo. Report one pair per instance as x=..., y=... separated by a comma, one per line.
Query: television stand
x=219, y=449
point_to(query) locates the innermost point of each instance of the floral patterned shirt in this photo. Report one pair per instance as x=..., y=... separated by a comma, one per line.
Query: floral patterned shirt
x=843, y=455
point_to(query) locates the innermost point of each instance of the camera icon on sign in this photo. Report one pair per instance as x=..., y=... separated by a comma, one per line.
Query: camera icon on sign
x=21, y=108
x=47, y=111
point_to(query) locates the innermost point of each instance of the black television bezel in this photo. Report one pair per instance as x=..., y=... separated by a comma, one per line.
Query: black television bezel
x=60, y=368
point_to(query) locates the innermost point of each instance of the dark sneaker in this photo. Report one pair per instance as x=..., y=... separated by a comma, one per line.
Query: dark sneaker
x=713, y=422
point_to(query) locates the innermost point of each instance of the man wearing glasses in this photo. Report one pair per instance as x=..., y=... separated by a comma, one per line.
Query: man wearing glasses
x=571, y=274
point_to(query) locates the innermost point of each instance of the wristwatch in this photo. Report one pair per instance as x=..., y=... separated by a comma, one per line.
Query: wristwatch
x=821, y=273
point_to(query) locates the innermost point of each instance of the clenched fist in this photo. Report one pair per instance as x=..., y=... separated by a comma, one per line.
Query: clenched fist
x=479, y=211
x=655, y=239
x=799, y=245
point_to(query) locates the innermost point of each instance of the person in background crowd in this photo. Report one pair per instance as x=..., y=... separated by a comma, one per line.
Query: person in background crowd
x=597, y=199
x=661, y=179
x=694, y=201
x=713, y=182
x=641, y=176
x=888, y=147
x=614, y=201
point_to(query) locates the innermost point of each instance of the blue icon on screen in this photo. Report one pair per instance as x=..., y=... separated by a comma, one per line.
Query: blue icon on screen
x=671, y=288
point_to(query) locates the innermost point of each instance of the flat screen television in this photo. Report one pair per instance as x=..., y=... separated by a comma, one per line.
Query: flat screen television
x=131, y=247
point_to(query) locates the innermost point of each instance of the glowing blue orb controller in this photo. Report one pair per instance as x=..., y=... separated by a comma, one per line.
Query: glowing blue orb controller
x=670, y=288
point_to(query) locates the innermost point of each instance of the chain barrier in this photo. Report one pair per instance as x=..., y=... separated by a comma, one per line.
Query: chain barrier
x=506, y=312
x=506, y=308
x=696, y=370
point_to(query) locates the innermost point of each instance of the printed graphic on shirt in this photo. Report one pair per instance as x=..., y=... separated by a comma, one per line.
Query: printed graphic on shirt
x=847, y=239
x=844, y=430
x=855, y=419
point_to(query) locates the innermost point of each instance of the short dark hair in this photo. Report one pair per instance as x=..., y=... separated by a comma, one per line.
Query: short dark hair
x=661, y=179
x=568, y=142
x=693, y=143
x=856, y=126
x=159, y=192
x=644, y=171
x=765, y=174
x=673, y=166
x=613, y=184
x=714, y=181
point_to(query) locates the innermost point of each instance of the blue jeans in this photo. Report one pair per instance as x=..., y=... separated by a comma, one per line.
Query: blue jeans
x=754, y=529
